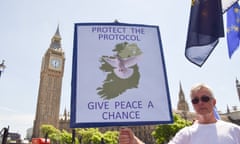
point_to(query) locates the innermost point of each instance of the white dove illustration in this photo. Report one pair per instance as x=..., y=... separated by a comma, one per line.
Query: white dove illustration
x=122, y=66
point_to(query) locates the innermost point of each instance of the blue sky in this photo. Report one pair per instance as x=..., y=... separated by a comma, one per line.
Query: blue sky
x=27, y=27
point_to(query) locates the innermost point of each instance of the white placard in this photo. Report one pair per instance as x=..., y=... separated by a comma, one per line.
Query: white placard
x=119, y=76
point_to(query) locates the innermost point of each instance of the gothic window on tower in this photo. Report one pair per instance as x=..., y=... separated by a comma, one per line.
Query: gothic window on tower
x=182, y=97
x=55, y=45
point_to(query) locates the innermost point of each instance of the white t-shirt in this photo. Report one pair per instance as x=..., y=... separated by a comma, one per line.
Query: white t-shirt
x=217, y=133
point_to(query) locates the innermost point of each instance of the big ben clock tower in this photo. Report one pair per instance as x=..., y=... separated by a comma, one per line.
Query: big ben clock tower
x=50, y=87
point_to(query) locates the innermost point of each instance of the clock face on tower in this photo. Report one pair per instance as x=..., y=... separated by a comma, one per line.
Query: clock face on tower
x=55, y=63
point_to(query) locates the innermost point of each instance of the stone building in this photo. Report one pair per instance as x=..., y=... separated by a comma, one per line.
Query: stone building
x=64, y=121
x=233, y=115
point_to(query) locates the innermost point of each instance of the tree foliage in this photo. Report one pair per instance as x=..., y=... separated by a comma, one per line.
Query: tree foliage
x=82, y=136
x=52, y=133
x=111, y=137
x=163, y=133
x=93, y=135
x=66, y=137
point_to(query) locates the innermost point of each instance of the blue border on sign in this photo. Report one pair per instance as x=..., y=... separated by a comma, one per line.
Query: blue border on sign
x=73, y=123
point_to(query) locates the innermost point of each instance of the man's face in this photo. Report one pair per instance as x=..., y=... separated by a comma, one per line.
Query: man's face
x=202, y=101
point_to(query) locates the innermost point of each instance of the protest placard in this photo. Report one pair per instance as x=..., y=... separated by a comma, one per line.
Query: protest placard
x=118, y=76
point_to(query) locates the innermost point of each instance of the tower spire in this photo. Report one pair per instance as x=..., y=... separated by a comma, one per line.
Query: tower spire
x=56, y=40
x=182, y=104
x=65, y=114
x=238, y=88
x=57, y=34
x=181, y=94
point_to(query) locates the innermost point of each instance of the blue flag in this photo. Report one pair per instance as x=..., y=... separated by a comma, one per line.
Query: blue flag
x=233, y=27
x=204, y=29
x=216, y=114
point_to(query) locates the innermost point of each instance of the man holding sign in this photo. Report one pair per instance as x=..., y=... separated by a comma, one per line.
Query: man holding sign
x=206, y=129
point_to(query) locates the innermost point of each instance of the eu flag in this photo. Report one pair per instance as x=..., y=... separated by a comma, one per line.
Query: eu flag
x=204, y=29
x=233, y=27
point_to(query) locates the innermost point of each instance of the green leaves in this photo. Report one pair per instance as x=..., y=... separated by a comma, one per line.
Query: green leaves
x=85, y=135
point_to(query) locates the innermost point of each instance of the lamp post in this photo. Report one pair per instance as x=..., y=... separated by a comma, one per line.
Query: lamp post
x=2, y=67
